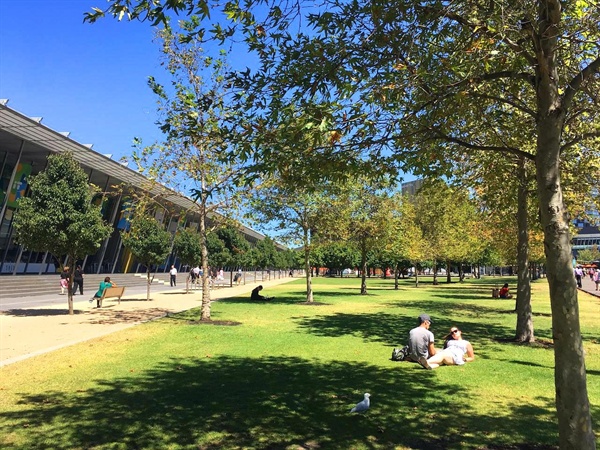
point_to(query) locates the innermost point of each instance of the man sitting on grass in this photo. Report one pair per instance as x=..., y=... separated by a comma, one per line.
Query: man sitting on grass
x=420, y=344
x=256, y=294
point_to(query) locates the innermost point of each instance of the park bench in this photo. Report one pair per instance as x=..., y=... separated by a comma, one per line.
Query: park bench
x=222, y=283
x=113, y=292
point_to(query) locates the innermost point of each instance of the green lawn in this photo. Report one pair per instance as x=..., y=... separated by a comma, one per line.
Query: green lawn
x=283, y=375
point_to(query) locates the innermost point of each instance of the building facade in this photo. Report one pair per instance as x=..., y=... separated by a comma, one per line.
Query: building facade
x=25, y=144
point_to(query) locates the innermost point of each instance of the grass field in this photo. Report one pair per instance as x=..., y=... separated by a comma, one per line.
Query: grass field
x=283, y=375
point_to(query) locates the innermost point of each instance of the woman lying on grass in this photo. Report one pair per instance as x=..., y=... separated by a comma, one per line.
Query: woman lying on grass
x=457, y=351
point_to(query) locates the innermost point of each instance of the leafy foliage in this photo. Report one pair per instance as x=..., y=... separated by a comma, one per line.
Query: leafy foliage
x=147, y=240
x=59, y=216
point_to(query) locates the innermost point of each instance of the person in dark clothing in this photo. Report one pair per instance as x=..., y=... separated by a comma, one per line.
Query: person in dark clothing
x=78, y=281
x=256, y=294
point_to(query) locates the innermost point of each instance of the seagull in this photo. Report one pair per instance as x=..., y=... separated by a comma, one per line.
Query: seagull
x=361, y=407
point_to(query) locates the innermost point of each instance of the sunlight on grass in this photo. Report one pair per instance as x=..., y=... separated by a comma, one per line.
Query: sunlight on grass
x=283, y=375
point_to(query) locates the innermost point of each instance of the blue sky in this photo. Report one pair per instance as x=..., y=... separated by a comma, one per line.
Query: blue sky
x=89, y=79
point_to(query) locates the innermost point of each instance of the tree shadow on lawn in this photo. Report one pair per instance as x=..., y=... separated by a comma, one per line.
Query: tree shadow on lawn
x=269, y=403
x=390, y=329
x=41, y=312
x=290, y=297
x=438, y=310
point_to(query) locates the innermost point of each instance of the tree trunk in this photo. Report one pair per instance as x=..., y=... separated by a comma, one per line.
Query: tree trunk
x=416, y=275
x=396, y=273
x=435, y=280
x=70, y=288
x=307, y=268
x=524, y=330
x=572, y=404
x=363, y=265
x=205, y=308
x=448, y=276
x=148, y=282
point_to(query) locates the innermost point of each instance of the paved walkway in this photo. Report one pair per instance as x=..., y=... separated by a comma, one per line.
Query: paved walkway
x=589, y=286
x=32, y=331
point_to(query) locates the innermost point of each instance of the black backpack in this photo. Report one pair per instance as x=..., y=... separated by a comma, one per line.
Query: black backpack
x=399, y=354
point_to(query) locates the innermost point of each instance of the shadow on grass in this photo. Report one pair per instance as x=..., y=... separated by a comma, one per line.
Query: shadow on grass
x=291, y=297
x=34, y=312
x=269, y=403
x=392, y=329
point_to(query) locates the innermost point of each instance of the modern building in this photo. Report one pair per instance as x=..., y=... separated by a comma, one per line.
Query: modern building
x=25, y=144
x=586, y=234
x=410, y=188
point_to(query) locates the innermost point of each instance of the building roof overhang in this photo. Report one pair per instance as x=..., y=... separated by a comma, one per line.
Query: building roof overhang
x=36, y=140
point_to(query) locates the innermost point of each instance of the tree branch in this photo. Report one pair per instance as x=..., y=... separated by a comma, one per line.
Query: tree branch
x=578, y=139
x=512, y=150
x=508, y=102
x=575, y=84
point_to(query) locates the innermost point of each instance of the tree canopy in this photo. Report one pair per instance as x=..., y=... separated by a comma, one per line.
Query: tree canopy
x=58, y=216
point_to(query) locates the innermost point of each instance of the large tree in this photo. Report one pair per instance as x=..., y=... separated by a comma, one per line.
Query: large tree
x=193, y=115
x=420, y=80
x=58, y=216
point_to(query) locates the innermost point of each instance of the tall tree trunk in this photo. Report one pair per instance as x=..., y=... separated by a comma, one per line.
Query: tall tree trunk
x=435, y=280
x=524, y=330
x=363, y=265
x=448, y=276
x=572, y=404
x=396, y=273
x=307, y=268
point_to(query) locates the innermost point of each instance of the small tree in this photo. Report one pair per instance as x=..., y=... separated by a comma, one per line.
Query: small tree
x=589, y=254
x=148, y=242
x=59, y=217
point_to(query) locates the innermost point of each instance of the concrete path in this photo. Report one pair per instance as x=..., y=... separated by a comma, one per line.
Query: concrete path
x=589, y=286
x=31, y=331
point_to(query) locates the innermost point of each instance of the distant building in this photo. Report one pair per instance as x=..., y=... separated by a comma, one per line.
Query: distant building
x=25, y=144
x=587, y=235
x=410, y=188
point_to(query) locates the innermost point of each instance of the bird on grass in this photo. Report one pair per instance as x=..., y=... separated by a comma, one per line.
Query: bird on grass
x=361, y=407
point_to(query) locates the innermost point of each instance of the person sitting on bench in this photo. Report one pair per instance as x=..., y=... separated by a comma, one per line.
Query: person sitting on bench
x=103, y=286
x=504, y=292
x=256, y=294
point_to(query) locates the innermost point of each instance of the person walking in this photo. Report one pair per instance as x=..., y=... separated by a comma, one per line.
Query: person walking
x=173, y=275
x=78, y=281
x=64, y=280
x=578, y=275
x=597, y=278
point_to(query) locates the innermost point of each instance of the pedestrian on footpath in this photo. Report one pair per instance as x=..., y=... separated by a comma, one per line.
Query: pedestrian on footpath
x=64, y=280
x=173, y=273
x=78, y=281
x=578, y=275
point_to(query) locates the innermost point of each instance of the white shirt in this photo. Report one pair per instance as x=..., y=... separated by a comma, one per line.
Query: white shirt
x=173, y=271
